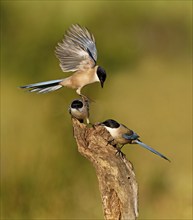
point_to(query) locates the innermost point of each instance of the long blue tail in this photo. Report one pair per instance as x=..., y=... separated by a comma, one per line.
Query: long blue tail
x=43, y=87
x=150, y=149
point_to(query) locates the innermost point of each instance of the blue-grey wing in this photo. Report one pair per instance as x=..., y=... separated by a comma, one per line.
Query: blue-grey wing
x=77, y=50
x=131, y=136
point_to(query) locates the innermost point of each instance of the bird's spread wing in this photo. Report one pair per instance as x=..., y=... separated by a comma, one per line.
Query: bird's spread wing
x=150, y=149
x=77, y=50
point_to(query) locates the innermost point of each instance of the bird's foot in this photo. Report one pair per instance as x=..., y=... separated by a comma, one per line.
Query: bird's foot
x=120, y=154
x=86, y=99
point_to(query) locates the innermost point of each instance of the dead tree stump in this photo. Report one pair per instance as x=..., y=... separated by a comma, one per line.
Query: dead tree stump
x=116, y=177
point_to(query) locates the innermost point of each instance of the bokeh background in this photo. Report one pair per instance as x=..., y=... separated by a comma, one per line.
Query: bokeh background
x=146, y=49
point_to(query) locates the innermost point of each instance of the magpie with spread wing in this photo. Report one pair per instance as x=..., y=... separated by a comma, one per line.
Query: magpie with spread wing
x=77, y=53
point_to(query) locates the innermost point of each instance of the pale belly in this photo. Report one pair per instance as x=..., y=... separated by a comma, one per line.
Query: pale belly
x=79, y=80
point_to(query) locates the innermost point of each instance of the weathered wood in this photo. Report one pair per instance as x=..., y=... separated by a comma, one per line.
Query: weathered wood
x=116, y=177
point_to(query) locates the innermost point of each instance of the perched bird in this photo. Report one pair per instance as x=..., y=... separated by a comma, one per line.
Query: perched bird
x=123, y=135
x=77, y=53
x=80, y=110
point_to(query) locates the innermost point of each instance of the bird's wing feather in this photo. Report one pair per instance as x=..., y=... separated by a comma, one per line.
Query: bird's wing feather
x=150, y=149
x=78, y=50
x=131, y=136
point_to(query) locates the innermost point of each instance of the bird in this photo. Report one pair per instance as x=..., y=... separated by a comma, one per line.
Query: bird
x=77, y=53
x=80, y=110
x=123, y=135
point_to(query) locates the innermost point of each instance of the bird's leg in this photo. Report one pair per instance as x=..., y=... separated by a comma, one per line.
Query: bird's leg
x=84, y=98
x=88, y=121
x=111, y=142
x=121, y=146
x=119, y=152
x=118, y=149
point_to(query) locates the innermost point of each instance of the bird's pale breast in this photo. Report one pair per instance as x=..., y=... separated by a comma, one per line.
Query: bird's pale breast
x=80, y=79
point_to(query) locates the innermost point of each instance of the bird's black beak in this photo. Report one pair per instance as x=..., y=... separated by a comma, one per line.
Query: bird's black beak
x=102, y=83
x=101, y=73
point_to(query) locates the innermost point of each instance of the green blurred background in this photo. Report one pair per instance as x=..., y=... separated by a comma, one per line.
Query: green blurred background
x=146, y=49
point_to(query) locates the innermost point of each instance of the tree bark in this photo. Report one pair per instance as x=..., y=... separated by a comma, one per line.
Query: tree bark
x=116, y=177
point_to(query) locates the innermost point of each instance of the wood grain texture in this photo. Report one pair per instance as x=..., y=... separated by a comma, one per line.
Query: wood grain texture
x=116, y=177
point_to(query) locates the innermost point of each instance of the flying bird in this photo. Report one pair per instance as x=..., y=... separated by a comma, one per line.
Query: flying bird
x=123, y=135
x=80, y=110
x=76, y=53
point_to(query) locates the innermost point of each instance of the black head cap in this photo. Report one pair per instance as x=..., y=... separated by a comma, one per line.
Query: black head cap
x=111, y=123
x=76, y=104
x=101, y=73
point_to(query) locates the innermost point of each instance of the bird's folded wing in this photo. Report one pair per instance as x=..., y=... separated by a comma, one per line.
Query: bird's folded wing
x=78, y=50
x=131, y=136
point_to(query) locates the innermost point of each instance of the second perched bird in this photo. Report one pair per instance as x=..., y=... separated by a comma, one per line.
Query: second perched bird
x=123, y=135
x=77, y=53
x=80, y=110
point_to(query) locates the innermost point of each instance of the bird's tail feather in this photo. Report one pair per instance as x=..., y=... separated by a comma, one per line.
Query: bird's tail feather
x=43, y=87
x=150, y=149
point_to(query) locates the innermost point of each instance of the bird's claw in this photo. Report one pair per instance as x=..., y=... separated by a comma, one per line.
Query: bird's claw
x=120, y=154
x=86, y=99
x=111, y=142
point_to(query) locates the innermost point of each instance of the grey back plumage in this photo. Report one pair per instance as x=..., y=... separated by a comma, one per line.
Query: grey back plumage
x=77, y=50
